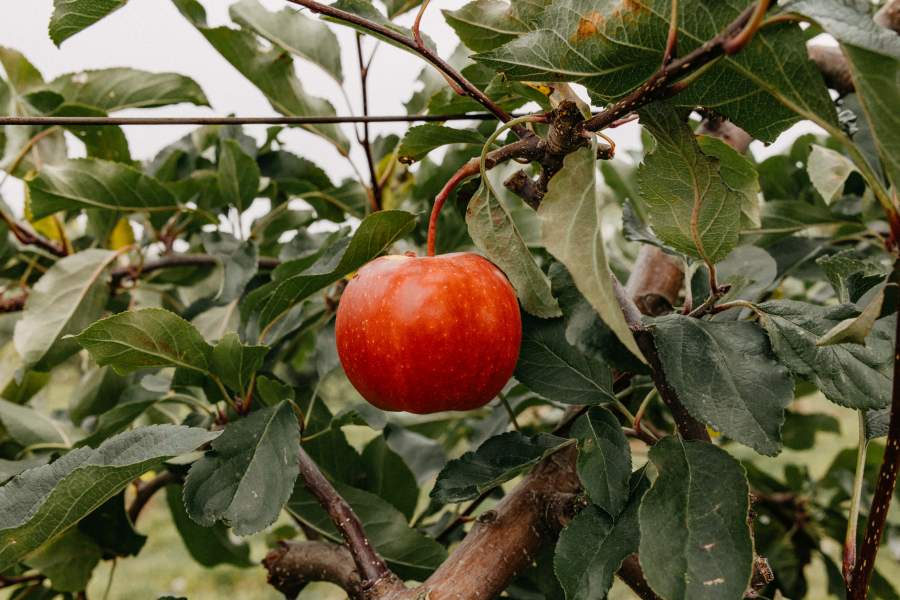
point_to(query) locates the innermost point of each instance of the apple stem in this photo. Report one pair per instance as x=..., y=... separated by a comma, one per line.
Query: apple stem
x=473, y=167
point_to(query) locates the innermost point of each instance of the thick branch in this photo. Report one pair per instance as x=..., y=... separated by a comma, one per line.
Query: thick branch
x=373, y=570
x=656, y=281
x=294, y=564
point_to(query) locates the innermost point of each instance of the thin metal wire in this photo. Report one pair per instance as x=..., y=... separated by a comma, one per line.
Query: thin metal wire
x=319, y=120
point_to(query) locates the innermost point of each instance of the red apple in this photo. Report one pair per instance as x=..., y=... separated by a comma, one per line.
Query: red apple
x=425, y=334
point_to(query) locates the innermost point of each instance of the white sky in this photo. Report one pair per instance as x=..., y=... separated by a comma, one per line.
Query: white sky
x=152, y=35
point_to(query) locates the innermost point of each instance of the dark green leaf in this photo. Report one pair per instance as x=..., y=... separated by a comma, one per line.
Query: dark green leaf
x=68, y=561
x=93, y=183
x=496, y=461
x=409, y=553
x=107, y=142
x=550, y=366
x=248, y=475
x=111, y=90
x=592, y=547
x=388, y=477
x=209, y=546
x=695, y=539
x=739, y=174
x=238, y=175
x=604, y=459
x=42, y=503
x=70, y=17
x=483, y=25
x=133, y=402
x=236, y=363
x=848, y=374
x=422, y=139
x=239, y=260
x=29, y=427
x=111, y=529
x=150, y=337
x=877, y=422
x=725, y=375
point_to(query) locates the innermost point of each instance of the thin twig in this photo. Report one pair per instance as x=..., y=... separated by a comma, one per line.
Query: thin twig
x=374, y=186
x=672, y=38
x=417, y=24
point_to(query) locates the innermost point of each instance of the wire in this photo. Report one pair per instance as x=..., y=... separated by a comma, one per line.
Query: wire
x=89, y=121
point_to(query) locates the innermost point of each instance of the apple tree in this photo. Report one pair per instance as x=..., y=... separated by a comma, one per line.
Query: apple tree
x=642, y=349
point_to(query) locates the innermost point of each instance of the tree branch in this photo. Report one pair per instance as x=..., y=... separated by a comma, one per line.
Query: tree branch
x=376, y=577
x=457, y=78
x=176, y=261
x=294, y=564
x=364, y=140
x=146, y=490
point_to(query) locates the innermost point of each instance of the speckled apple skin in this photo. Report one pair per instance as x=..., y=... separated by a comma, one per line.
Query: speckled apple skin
x=429, y=334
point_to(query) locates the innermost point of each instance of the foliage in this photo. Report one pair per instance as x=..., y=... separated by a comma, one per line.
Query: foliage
x=193, y=294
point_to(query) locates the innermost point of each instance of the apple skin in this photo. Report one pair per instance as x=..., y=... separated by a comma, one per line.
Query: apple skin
x=425, y=334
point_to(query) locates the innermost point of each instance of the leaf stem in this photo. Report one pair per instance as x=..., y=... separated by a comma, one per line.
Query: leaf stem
x=509, y=411
x=849, y=558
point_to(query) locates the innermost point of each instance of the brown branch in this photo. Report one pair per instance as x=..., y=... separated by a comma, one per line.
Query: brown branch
x=374, y=572
x=884, y=488
x=375, y=186
x=457, y=78
x=834, y=67
x=146, y=490
x=656, y=281
x=176, y=261
x=888, y=16
x=27, y=237
x=9, y=581
x=273, y=120
x=294, y=564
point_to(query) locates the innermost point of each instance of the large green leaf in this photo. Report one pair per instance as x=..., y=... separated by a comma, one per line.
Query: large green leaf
x=248, y=474
x=612, y=48
x=68, y=561
x=496, y=461
x=739, y=174
x=848, y=374
x=604, y=459
x=238, y=175
x=209, y=546
x=295, y=281
x=695, y=537
x=592, y=547
x=150, y=337
x=271, y=70
x=483, y=25
x=422, y=139
x=389, y=477
x=725, y=375
x=236, y=363
x=495, y=233
x=572, y=232
x=553, y=368
x=409, y=553
x=69, y=296
x=120, y=88
x=296, y=33
x=689, y=205
x=71, y=16
x=40, y=504
x=92, y=183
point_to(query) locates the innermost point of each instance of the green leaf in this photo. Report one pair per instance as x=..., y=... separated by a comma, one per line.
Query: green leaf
x=270, y=70
x=107, y=142
x=71, y=16
x=483, y=25
x=613, y=48
x=68, y=297
x=496, y=235
x=846, y=269
x=875, y=78
x=236, y=363
x=828, y=170
x=146, y=338
x=94, y=183
x=572, y=232
x=115, y=89
x=848, y=374
x=877, y=422
x=28, y=427
x=368, y=11
x=689, y=205
x=388, y=476
x=111, y=529
x=68, y=561
x=296, y=33
x=739, y=174
x=725, y=375
x=855, y=330
x=238, y=175
x=850, y=22
x=553, y=368
x=209, y=546
x=409, y=553
x=496, y=461
x=604, y=459
x=248, y=475
x=398, y=7
x=695, y=538
x=422, y=139
x=592, y=547
x=97, y=392
x=294, y=281
x=239, y=261
x=40, y=504
x=132, y=403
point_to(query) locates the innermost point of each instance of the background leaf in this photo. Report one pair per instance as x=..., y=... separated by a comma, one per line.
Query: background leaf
x=71, y=16
x=604, y=459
